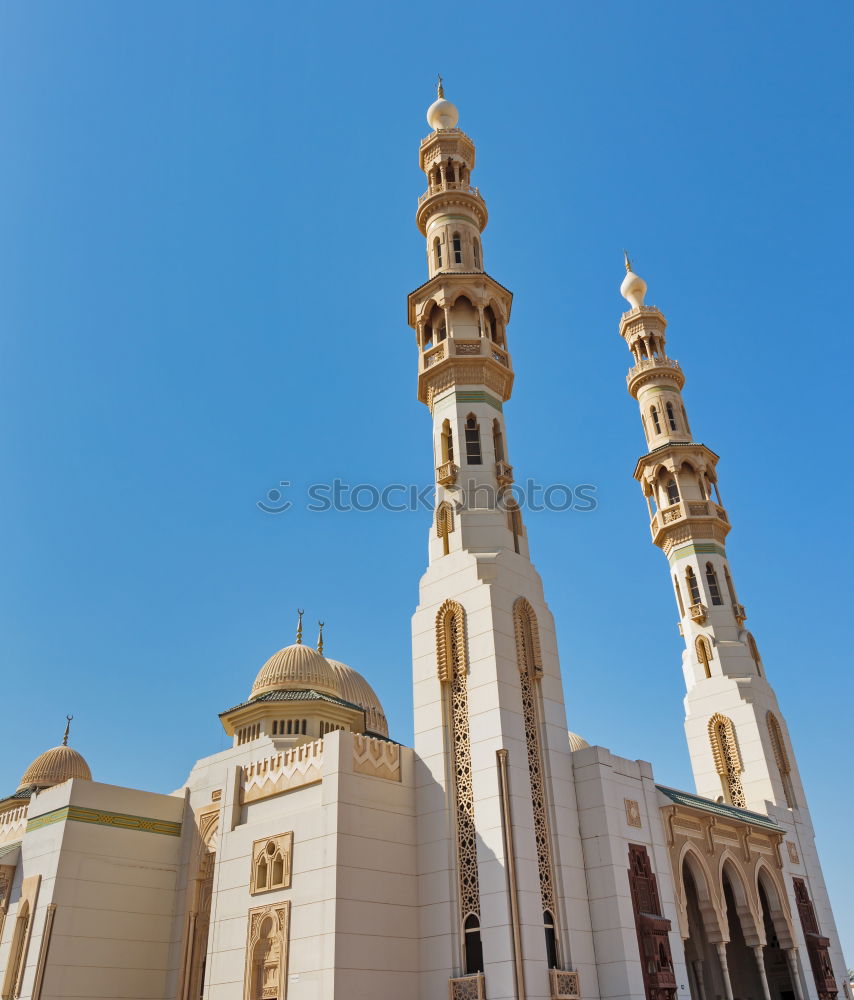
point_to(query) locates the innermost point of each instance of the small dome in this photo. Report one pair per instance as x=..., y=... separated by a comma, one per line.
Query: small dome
x=633, y=287
x=577, y=742
x=55, y=766
x=295, y=668
x=353, y=687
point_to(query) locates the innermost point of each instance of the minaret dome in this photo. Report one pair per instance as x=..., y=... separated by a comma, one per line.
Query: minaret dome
x=633, y=287
x=442, y=113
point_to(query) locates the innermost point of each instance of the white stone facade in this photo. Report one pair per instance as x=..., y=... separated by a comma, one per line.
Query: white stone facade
x=317, y=859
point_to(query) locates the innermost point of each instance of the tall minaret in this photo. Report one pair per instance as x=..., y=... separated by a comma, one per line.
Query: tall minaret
x=501, y=881
x=738, y=741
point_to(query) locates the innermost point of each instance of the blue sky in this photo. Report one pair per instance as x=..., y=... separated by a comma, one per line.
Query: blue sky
x=206, y=241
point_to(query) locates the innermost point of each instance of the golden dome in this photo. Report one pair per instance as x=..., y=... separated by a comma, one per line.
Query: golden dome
x=577, y=742
x=295, y=668
x=55, y=766
x=353, y=687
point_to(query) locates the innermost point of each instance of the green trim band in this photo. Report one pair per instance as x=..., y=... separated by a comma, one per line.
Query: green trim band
x=476, y=396
x=119, y=821
x=698, y=548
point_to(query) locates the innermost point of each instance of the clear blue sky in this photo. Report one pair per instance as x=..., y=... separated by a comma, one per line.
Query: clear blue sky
x=206, y=241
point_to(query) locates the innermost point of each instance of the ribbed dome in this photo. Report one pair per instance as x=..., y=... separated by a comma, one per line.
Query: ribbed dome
x=295, y=668
x=577, y=742
x=55, y=766
x=353, y=687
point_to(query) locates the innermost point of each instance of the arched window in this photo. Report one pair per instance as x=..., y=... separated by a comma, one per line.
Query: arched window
x=679, y=597
x=671, y=419
x=437, y=250
x=476, y=249
x=712, y=581
x=473, y=452
x=727, y=759
x=729, y=586
x=703, y=649
x=473, y=946
x=458, y=249
x=447, y=442
x=754, y=652
x=261, y=872
x=551, y=940
x=497, y=441
x=656, y=423
x=672, y=492
x=444, y=524
x=693, y=586
x=514, y=521
x=781, y=755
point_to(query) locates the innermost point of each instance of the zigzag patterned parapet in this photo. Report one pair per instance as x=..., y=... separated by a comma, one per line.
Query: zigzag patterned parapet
x=282, y=772
x=378, y=758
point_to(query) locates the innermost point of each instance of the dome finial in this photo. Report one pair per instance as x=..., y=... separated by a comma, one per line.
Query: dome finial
x=320, y=637
x=68, y=719
x=300, y=612
x=440, y=90
x=633, y=287
x=442, y=114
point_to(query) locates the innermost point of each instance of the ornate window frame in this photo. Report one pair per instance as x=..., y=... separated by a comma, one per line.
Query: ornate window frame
x=727, y=757
x=268, y=854
x=529, y=661
x=781, y=756
x=279, y=914
x=452, y=668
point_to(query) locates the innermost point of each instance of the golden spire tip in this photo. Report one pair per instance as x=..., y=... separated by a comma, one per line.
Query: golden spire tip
x=68, y=719
x=440, y=90
x=628, y=262
x=300, y=612
x=320, y=637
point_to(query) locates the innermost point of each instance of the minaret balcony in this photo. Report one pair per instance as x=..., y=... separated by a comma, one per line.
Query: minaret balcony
x=686, y=511
x=451, y=193
x=434, y=355
x=468, y=987
x=504, y=473
x=564, y=985
x=450, y=186
x=698, y=613
x=651, y=367
x=446, y=473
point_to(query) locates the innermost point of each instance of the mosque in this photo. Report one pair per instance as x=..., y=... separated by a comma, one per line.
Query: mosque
x=497, y=857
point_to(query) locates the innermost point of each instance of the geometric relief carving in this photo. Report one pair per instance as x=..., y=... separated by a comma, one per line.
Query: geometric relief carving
x=727, y=758
x=529, y=661
x=451, y=650
x=633, y=817
x=282, y=772
x=271, y=863
x=378, y=758
x=793, y=853
x=565, y=985
x=266, y=972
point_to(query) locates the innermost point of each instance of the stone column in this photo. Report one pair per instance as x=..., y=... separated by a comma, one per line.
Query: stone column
x=759, y=952
x=697, y=968
x=794, y=972
x=721, y=949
